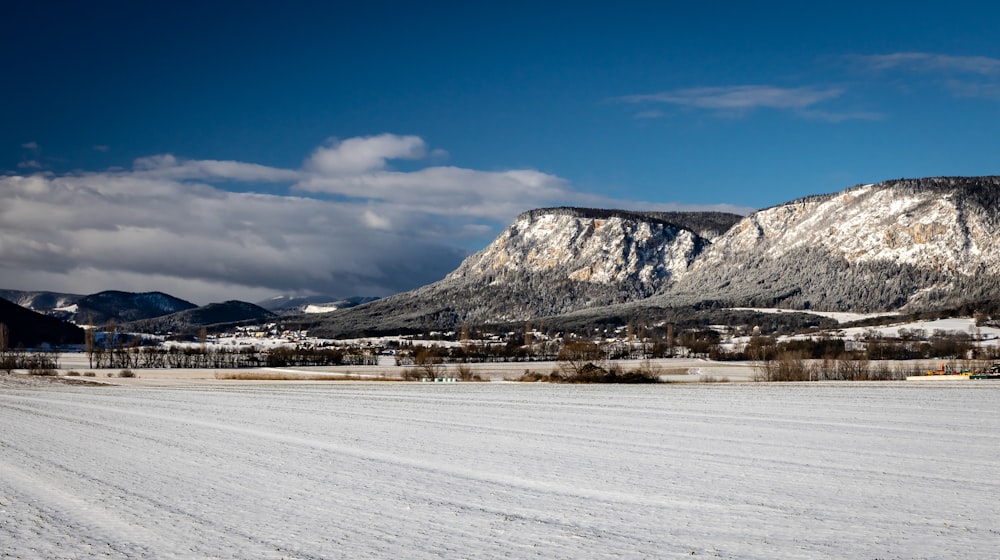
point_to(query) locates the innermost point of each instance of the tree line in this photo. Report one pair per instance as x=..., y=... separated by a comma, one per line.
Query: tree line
x=199, y=357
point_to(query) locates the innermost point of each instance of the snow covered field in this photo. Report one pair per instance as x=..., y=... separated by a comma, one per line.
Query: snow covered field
x=489, y=470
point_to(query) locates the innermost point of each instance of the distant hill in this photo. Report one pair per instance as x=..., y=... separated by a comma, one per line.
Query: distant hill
x=54, y=304
x=124, y=307
x=191, y=320
x=100, y=307
x=30, y=329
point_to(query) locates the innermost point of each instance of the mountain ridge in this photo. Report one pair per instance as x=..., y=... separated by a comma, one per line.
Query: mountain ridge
x=875, y=247
x=901, y=244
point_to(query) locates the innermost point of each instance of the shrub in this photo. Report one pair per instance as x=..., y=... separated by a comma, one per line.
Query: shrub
x=40, y=364
x=464, y=372
x=126, y=373
x=413, y=374
x=591, y=373
x=531, y=377
x=72, y=373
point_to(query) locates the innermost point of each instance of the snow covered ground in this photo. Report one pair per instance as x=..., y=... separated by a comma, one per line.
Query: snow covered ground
x=986, y=336
x=839, y=316
x=672, y=369
x=490, y=470
x=951, y=326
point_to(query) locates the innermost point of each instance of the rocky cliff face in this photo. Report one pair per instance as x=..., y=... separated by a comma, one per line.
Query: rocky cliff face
x=897, y=244
x=613, y=248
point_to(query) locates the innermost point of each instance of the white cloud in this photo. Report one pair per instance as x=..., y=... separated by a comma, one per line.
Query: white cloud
x=359, y=155
x=375, y=221
x=351, y=225
x=100, y=148
x=101, y=226
x=167, y=166
x=449, y=191
x=29, y=164
x=30, y=145
x=170, y=221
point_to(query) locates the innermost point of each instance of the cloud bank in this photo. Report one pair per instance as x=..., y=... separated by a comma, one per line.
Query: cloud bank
x=344, y=223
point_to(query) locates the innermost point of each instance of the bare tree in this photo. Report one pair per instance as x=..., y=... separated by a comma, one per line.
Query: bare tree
x=88, y=341
x=6, y=361
x=429, y=362
x=575, y=357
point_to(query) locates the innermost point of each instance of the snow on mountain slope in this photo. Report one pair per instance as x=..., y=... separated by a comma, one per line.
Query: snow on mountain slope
x=930, y=229
x=604, y=249
x=922, y=242
x=42, y=302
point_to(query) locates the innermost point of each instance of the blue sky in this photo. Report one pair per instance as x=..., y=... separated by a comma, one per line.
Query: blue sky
x=243, y=149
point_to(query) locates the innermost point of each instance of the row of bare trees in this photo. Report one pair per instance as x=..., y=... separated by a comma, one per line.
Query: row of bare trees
x=37, y=362
x=179, y=357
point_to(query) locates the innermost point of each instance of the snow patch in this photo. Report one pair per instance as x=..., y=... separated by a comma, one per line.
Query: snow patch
x=319, y=308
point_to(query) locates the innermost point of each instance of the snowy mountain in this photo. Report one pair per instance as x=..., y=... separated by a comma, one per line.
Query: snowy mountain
x=607, y=248
x=908, y=244
x=549, y=261
x=904, y=244
x=98, y=308
x=48, y=303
